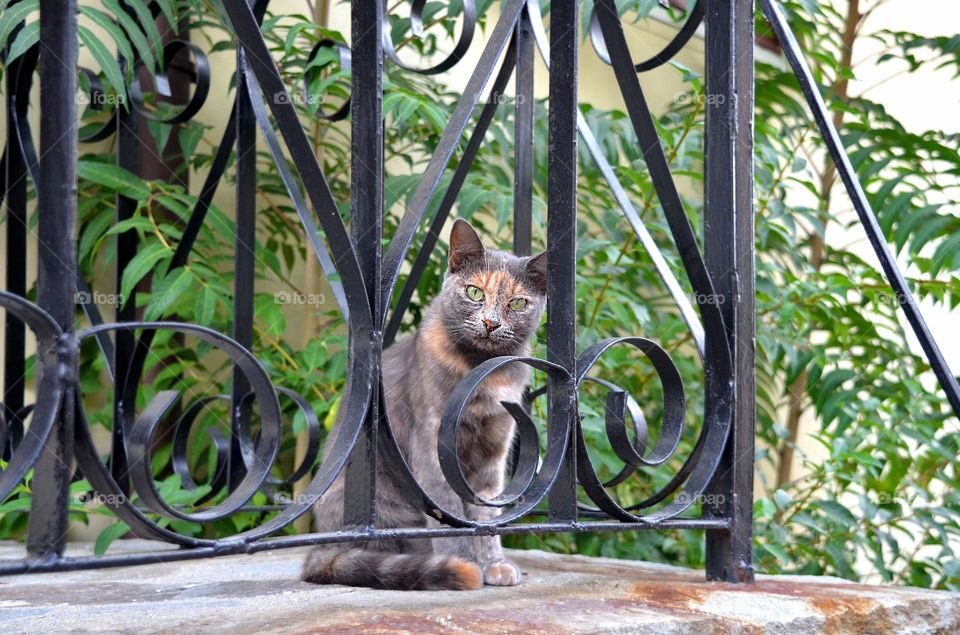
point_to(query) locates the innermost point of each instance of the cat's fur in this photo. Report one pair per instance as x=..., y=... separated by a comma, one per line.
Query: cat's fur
x=419, y=372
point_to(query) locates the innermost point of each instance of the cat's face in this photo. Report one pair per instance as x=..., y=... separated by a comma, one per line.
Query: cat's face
x=492, y=301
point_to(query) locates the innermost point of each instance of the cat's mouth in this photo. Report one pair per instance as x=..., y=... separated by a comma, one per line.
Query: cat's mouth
x=492, y=341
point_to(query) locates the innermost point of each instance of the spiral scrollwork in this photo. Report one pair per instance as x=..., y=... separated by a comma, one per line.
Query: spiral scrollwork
x=667, y=53
x=143, y=429
x=417, y=29
x=198, y=72
x=50, y=358
x=220, y=441
x=532, y=477
x=618, y=407
x=343, y=53
x=258, y=452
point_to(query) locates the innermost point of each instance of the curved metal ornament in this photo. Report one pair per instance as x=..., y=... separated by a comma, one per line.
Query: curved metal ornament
x=51, y=357
x=200, y=76
x=697, y=471
x=142, y=432
x=669, y=51
x=532, y=479
x=416, y=26
x=264, y=79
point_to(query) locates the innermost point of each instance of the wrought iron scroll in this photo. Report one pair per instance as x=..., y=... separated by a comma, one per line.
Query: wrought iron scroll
x=545, y=489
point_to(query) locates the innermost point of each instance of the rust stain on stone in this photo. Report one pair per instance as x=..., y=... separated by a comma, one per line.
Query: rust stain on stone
x=844, y=614
x=834, y=602
x=669, y=595
x=684, y=600
x=841, y=610
x=455, y=622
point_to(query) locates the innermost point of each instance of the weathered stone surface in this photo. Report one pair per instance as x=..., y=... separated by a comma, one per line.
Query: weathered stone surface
x=559, y=594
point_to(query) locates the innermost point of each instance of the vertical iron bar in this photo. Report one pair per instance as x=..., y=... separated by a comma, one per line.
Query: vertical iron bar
x=128, y=157
x=523, y=123
x=366, y=231
x=57, y=204
x=562, y=242
x=15, y=199
x=729, y=247
x=245, y=245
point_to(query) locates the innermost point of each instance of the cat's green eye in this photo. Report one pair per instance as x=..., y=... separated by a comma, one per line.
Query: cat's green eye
x=474, y=293
x=518, y=304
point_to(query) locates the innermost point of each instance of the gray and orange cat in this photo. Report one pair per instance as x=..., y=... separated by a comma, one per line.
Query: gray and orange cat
x=490, y=305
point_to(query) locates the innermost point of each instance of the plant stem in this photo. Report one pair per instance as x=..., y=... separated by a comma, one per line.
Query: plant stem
x=798, y=389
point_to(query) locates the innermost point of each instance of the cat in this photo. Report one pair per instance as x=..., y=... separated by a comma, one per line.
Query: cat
x=490, y=304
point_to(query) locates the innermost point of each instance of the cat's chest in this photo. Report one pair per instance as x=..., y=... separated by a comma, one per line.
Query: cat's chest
x=499, y=387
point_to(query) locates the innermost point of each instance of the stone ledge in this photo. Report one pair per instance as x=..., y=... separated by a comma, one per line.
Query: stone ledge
x=559, y=594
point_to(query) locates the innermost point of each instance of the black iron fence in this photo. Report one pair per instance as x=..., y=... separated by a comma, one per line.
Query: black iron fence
x=717, y=475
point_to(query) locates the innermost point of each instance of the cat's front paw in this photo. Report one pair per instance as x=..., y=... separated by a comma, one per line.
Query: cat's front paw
x=501, y=573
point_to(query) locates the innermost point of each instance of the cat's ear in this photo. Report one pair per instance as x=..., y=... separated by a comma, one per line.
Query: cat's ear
x=465, y=245
x=537, y=271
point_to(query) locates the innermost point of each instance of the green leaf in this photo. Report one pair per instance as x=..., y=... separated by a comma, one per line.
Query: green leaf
x=108, y=535
x=92, y=232
x=946, y=253
x=165, y=294
x=782, y=498
x=18, y=504
x=106, y=60
x=10, y=18
x=133, y=31
x=149, y=25
x=778, y=552
x=114, y=177
x=108, y=24
x=137, y=222
x=27, y=37
x=143, y=263
x=170, y=12
x=206, y=306
x=190, y=135
x=837, y=512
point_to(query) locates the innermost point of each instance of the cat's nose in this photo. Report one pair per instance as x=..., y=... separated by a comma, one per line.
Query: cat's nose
x=491, y=325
